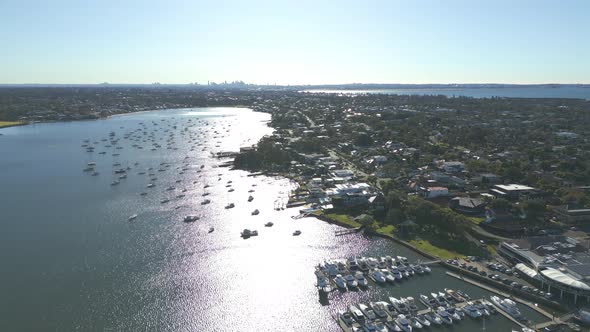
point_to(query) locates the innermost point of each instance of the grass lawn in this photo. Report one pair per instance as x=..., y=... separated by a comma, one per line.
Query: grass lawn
x=387, y=230
x=491, y=249
x=343, y=218
x=435, y=251
x=9, y=123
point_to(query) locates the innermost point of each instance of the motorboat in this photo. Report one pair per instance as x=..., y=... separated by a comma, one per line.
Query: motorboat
x=165, y=200
x=340, y=282
x=255, y=212
x=453, y=313
x=211, y=229
x=428, y=301
x=380, y=327
x=426, y=268
x=403, y=323
x=351, y=281
x=361, y=280
x=150, y=185
x=388, y=276
x=378, y=277
x=323, y=284
x=433, y=318
x=444, y=315
x=415, y=323
x=250, y=198
x=396, y=273
x=190, y=218
x=246, y=233
x=392, y=326
x=170, y=188
x=399, y=306
x=268, y=224
x=352, y=264
x=132, y=217
x=297, y=233
x=472, y=311
x=362, y=264
x=456, y=297
x=447, y=297
x=357, y=314
x=418, y=269
x=346, y=318
x=425, y=322
x=369, y=313
x=379, y=309
x=507, y=305
x=143, y=194
x=482, y=308
x=440, y=301
x=207, y=201
x=410, y=303
x=230, y=206
x=114, y=183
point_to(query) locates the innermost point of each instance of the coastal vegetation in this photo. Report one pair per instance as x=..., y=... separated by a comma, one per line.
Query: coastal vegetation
x=4, y=124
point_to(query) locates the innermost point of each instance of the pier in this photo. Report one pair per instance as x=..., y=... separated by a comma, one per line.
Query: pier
x=346, y=231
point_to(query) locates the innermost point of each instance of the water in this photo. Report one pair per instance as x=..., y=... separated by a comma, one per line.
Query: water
x=72, y=261
x=514, y=92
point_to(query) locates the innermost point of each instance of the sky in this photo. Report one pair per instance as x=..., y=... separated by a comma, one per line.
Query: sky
x=295, y=42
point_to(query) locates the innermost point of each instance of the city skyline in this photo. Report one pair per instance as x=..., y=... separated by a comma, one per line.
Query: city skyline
x=288, y=43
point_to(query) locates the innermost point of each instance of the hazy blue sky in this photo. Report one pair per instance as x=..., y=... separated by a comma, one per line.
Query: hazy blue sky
x=293, y=42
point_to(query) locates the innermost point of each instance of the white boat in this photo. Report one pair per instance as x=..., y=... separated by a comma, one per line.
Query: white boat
x=255, y=212
x=357, y=314
x=454, y=314
x=403, y=323
x=396, y=273
x=151, y=185
x=378, y=276
x=400, y=306
x=340, y=282
x=379, y=308
x=444, y=315
x=415, y=323
x=389, y=277
x=369, y=313
x=433, y=318
x=322, y=283
x=361, y=280
x=132, y=217
x=472, y=311
x=351, y=281
x=506, y=305
x=425, y=322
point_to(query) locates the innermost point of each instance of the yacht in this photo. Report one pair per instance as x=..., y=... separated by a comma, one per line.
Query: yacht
x=132, y=217
x=369, y=313
x=506, y=305
x=351, y=281
x=433, y=318
x=230, y=206
x=439, y=300
x=190, y=218
x=410, y=303
x=456, y=297
x=346, y=318
x=472, y=311
x=360, y=278
x=255, y=212
x=444, y=315
x=428, y=301
x=340, y=282
x=415, y=323
x=396, y=273
x=399, y=306
x=403, y=323
x=357, y=314
x=323, y=284
x=297, y=233
x=268, y=224
x=392, y=326
x=454, y=313
x=378, y=276
x=425, y=322
x=379, y=309
x=388, y=276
